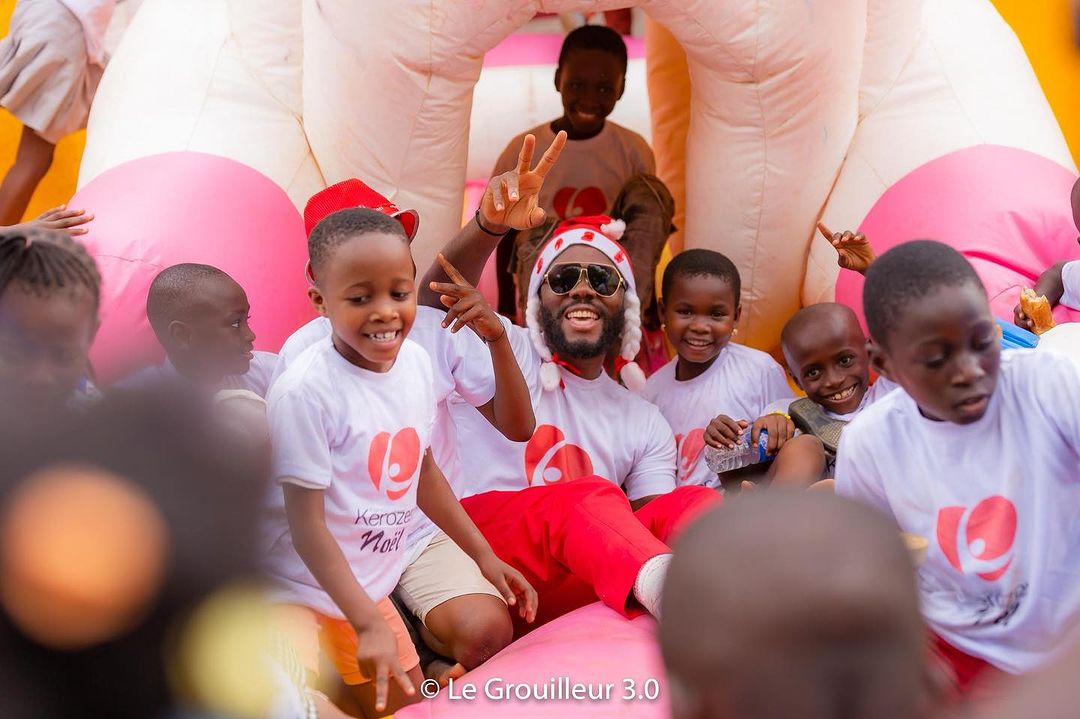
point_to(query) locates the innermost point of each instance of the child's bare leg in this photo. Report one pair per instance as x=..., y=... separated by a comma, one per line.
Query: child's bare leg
x=31, y=163
x=397, y=698
x=799, y=463
x=471, y=628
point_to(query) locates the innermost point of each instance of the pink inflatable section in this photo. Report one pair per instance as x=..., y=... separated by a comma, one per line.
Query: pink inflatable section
x=591, y=663
x=1006, y=210
x=190, y=207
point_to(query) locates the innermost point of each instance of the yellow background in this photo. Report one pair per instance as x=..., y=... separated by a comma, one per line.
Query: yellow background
x=1045, y=28
x=59, y=184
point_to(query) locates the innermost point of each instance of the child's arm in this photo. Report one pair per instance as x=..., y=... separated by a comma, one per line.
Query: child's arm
x=510, y=411
x=377, y=653
x=510, y=202
x=1051, y=285
x=435, y=499
x=853, y=249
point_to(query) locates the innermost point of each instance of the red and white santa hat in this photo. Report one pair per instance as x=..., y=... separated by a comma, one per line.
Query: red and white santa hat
x=603, y=233
x=354, y=193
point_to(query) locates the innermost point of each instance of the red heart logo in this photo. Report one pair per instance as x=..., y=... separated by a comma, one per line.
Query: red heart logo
x=397, y=458
x=979, y=540
x=690, y=448
x=550, y=459
x=571, y=202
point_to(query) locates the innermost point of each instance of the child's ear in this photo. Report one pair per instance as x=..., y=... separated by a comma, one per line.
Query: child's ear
x=738, y=313
x=660, y=308
x=622, y=88
x=317, y=300
x=879, y=360
x=180, y=334
x=558, y=78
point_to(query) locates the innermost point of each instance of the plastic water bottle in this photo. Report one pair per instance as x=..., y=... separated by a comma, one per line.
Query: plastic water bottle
x=742, y=455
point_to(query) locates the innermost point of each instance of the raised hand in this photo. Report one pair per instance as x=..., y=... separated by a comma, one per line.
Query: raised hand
x=853, y=249
x=61, y=218
x=512, y=198
x=466, y=306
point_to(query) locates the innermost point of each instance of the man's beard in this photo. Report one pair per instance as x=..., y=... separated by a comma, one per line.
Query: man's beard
x=557, y=342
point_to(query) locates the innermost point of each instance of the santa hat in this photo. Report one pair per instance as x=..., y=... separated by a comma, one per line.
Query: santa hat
x=603, y=233
x=354, y=193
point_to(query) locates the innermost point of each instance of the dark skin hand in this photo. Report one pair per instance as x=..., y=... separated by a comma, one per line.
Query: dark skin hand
x=510, y=202
x=1051, y=286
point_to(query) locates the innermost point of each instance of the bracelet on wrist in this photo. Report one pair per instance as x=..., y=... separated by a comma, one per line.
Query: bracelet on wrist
x=486, y=230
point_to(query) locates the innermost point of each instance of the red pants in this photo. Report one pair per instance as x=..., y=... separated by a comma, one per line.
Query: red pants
x=580, y=540
x=965, y=676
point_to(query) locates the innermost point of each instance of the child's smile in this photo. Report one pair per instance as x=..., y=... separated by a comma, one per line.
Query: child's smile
x=699, y=318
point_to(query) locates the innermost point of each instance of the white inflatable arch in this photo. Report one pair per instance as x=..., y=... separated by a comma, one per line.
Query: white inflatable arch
x=314, y=91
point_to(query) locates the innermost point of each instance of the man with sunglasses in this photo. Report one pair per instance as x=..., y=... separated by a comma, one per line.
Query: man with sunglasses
x=587, y=507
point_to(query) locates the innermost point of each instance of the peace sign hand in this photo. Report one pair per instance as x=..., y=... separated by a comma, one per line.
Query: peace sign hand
x=466, y=305
x=512, y=198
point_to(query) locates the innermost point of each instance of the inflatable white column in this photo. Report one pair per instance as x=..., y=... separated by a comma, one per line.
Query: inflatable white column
x=775, y=86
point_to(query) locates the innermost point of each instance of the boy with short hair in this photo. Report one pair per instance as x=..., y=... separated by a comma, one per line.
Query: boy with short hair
x=606, y=168
x=714, y=390
x=351, y=421
x=826, y=354
x=980, y=453
x=793, y=605
x=200, y=316
x=462, y=616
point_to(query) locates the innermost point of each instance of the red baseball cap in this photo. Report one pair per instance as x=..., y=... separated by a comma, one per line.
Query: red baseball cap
x=354, y=193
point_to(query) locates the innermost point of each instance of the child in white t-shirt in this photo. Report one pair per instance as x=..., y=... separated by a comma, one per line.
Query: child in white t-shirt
x=714, y=390
x=351, y=422
x=464, y=617
x=1060, y=283
x=200, y=316
x=826, y=354
x=980, y=454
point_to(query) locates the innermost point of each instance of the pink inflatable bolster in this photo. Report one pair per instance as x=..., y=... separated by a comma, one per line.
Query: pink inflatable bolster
x=587, y=653
x=1006, y=210
x=190, y=207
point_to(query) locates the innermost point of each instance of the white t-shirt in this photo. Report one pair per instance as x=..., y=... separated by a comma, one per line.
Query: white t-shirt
x=1070, y=278
x=257, y=379
x=741, y=383
x=588, y=427
x=590, y=173
x=997, y=499
x=361, y=437
x=94, y=16
x=460, y=364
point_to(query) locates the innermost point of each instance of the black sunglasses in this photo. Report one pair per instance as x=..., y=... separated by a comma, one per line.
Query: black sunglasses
x=604, y=279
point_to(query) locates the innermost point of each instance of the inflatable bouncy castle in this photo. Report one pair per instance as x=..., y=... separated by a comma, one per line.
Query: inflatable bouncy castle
x=770, y=115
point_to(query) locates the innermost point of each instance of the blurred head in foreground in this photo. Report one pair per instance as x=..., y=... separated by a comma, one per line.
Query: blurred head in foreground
x=783, y=605
x=115, y=525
